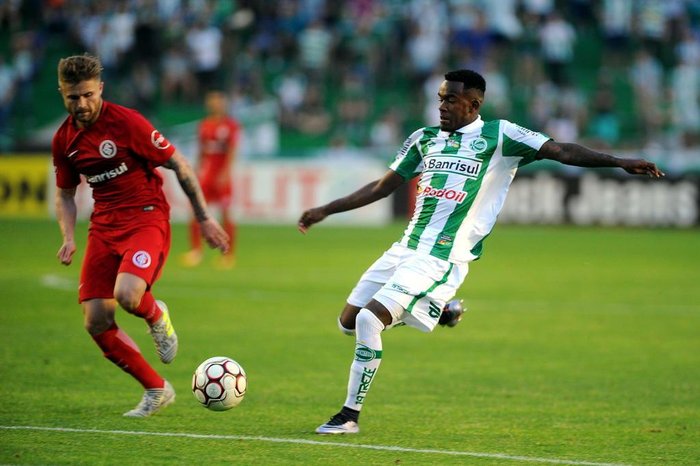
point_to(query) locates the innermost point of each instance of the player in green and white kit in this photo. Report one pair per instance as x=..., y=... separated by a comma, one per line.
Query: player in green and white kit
x=466, y=166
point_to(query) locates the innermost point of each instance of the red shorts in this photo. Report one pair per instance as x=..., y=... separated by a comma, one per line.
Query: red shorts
x=215, y=193
x=139, y=249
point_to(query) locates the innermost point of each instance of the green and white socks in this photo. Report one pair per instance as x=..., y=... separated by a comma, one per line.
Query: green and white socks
x=368, y=356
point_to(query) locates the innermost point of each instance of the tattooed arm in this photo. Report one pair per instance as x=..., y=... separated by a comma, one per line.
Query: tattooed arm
x=580, y=156
x=211, y=230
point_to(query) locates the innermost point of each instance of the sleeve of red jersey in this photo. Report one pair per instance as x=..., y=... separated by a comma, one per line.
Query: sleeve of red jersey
x=147, y=141
x=66, y=176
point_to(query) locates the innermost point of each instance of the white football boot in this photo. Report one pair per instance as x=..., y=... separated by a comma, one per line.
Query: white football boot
x=154, y=399
x=338, y=424
x=164, y=335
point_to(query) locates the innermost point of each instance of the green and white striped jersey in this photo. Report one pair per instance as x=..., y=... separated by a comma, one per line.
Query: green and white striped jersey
x=464, y=179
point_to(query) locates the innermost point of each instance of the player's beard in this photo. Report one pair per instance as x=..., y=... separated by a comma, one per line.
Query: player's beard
x=87, y=116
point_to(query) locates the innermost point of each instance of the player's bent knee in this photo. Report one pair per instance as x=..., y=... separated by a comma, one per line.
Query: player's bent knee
x=345, y=330
x=366, y=319
x=128, y=298
x=98, y=316
x=97, y=326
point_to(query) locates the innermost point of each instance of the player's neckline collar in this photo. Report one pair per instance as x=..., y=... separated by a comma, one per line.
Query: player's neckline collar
x=473, y=126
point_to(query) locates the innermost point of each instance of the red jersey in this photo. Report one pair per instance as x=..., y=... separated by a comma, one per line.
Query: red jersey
x=217, y=136
x=118, y=155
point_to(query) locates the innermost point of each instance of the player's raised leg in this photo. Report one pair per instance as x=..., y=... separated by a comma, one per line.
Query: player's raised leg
x=119, y=348
x=452, y=313
x=346, y=321
x=370, y=322
x=132, y=295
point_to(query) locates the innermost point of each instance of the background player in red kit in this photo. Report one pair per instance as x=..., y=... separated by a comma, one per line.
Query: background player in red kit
x=218, y=140
x=117, y=151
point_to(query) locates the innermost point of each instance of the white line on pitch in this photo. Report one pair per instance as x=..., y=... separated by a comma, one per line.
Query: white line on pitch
x=315, y=442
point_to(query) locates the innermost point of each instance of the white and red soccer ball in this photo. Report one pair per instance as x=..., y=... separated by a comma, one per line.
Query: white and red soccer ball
x=219, y=383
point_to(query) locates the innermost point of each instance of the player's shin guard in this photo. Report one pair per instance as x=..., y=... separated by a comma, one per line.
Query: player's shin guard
x=122, y=351
x=148, y=309
x=368, y=356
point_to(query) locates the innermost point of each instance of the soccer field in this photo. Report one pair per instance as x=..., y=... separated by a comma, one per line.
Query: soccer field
x=581, y=346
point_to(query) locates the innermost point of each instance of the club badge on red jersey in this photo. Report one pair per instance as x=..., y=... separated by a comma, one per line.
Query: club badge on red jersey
x=141, y=259
x=159, y=140
x=108, y=149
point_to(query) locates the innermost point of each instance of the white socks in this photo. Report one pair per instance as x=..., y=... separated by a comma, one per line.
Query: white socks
x=368, y=356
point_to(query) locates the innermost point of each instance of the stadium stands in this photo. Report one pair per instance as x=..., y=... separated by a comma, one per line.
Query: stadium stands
x=360, y=73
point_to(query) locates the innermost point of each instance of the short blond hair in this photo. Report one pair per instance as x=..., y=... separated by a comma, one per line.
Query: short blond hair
x=79, y=68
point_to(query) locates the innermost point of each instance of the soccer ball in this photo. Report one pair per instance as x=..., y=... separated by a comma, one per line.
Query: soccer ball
x=219, y=383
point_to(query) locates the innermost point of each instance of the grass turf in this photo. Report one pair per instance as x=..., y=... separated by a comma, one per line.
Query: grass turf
x=579, y=345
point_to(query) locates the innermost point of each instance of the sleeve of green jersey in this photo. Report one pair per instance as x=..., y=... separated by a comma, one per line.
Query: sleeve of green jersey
x=521, y=142
x=408, y=161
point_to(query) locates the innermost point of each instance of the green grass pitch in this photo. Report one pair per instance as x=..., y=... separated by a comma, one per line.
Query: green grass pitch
x=580, y=346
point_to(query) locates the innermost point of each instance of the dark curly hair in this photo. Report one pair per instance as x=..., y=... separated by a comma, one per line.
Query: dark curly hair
x=470, y=79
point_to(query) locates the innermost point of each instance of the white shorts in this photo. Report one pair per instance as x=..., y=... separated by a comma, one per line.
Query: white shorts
x=420, y=283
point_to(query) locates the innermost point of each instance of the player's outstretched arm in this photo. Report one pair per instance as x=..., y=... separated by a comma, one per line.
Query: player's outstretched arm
x=581, y=156
x=66, y=213
x=367, y=194
x=215, y=236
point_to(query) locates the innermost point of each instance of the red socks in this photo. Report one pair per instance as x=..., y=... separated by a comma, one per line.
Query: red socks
x=148, y=309
x=230, y=229
x=122, y=351
x=195, y=235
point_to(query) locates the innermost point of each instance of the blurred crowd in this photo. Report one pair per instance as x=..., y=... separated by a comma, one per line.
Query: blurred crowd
x=365, y=72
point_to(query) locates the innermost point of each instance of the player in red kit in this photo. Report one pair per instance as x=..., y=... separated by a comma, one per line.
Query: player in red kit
x=218, y=140
x=117, y=151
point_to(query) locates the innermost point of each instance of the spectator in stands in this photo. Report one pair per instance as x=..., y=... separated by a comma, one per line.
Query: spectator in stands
x=528, y=66
x=290, y=89
x=315, y=44
x=313, y=119
x=425, y=47
x=7, y=93
x=391, y=44
x=10, y=15
x=557, y=38
x=176, y=78
x=563, y=125
x=498, y=104
x=122, y=24
x=142, y=88
x=478, y=40
x=386, y=133
x=538, y=8
x=651, y=25
x=685, y=89
x=503, y=20
x=604, y=125
x=647, y=78
x=24, y=66
x=617, y=19
x=204, y=44
x=353, y=108
x=431, y=112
